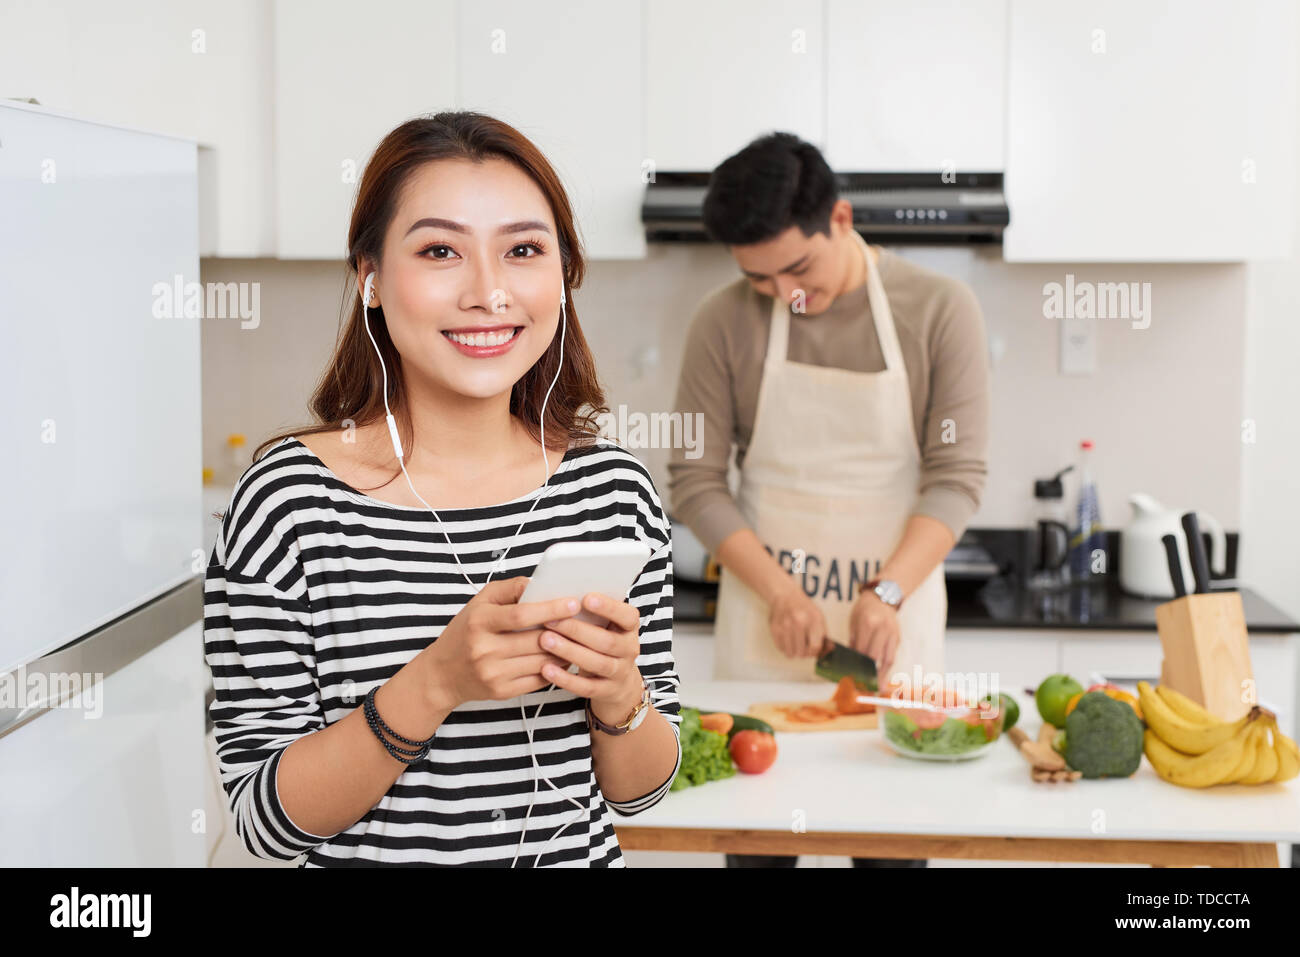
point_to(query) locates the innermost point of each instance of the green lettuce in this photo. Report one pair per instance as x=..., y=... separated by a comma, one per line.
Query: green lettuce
x=952, y=737
x=704, y=754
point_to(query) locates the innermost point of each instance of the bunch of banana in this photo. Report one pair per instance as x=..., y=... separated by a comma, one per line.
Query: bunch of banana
x=1189, y=746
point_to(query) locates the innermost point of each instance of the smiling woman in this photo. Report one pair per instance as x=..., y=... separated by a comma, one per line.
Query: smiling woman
x=370, y=655
x=475, y=174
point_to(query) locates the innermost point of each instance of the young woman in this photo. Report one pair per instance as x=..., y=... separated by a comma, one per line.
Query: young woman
x=382, y=696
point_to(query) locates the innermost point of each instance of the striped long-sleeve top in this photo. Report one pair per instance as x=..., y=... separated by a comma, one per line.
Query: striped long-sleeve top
x=315, y=593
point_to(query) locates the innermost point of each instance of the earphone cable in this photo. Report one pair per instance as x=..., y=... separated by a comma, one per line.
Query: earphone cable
x=544, y=490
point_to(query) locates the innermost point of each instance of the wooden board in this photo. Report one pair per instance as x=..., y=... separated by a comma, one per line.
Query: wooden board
x=767, y=711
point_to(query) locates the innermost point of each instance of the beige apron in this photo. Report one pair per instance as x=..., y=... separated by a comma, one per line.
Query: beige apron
x=830, y=477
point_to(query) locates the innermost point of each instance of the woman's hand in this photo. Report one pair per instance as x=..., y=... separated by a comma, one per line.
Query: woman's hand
x=798, y=625
x=605, y=656
x=873, y=630
x=489, y=651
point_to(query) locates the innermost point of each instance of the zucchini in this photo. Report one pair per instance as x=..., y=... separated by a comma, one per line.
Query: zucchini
x=739, y=722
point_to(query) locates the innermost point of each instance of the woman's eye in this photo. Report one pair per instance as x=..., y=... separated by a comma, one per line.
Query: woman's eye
x=435, y=246
x=536, y=250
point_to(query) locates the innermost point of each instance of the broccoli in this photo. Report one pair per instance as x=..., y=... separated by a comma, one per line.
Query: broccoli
x=1103, y=737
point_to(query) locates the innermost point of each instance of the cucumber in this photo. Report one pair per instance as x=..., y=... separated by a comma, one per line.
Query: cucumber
x=739, y=722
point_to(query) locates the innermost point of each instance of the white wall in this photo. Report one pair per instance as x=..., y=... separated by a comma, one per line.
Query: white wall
x=1270, y=526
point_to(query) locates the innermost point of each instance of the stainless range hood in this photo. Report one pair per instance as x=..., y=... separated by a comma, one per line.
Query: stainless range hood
x=889, y=208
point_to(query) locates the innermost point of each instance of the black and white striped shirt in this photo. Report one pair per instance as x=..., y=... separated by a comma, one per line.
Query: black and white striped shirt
x=315, y=593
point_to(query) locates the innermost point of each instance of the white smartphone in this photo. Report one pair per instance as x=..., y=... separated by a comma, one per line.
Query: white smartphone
x=577, y=568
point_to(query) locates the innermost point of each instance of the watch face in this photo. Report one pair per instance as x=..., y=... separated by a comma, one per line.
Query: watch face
x=889, y=592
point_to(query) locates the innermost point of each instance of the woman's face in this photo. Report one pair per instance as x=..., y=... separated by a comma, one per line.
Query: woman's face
x=472, y=247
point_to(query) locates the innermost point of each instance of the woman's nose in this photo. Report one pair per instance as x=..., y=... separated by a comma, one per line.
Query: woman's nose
x=489, y=290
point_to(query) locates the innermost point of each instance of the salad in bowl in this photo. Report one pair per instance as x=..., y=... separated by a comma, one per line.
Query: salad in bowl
x=958, y=729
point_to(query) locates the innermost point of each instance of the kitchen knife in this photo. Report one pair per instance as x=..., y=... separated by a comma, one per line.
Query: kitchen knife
x=836, y=661
x=1175, y=565
x=1196, y=550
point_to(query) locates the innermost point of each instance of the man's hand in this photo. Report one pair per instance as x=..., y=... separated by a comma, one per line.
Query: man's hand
x=873, y=630
x=798, y=625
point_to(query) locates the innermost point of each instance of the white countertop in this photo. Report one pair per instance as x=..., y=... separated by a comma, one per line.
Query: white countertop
x=852, y=781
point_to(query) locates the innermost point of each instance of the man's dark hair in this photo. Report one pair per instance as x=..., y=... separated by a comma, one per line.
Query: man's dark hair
x=775, y=182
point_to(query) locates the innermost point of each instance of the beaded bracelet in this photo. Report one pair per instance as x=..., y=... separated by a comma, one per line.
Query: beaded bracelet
x=376, y=723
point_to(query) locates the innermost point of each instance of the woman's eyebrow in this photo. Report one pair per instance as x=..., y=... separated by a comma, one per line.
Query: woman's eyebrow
x=433, y=222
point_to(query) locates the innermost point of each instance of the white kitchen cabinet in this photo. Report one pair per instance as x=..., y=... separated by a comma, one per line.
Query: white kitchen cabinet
x=915, y=86
x=1150, y=132
x=724, y=72
x=345, y=75
x=117, y=775
x=197, y=69
x=1016, y=659
x=1119, y=656
x=569, y=77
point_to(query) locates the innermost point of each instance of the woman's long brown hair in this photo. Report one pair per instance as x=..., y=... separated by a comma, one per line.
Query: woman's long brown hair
x=352, y=385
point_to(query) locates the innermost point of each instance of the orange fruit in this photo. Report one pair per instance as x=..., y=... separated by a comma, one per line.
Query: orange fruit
x=1119, y=694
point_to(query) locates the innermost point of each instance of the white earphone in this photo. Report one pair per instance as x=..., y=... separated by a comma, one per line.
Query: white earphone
x=397, y=450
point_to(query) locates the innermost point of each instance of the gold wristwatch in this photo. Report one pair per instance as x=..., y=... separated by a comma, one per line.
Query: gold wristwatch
x=631, y=724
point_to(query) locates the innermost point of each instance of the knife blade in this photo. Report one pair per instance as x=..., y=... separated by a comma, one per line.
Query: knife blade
x=1196, y=549
x=837, y=661
x=1175, y=565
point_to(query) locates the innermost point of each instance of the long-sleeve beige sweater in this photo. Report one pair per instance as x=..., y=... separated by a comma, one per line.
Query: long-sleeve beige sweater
x=941, y=333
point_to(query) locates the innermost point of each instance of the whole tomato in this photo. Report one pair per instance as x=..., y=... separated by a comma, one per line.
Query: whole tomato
x=753, y=751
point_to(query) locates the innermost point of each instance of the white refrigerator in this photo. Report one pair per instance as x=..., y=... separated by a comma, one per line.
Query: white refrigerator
x=102, y=750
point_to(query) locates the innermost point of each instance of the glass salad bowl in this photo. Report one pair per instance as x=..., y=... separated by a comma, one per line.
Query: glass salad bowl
x=959, y=730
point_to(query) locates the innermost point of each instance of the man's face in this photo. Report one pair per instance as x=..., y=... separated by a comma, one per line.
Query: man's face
x=805, y=272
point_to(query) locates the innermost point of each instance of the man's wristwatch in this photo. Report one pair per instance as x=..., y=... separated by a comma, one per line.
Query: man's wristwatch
x=633, y=721
x=887, y=591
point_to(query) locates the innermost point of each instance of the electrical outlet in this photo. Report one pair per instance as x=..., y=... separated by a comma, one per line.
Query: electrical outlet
x=997, y=349
x=1078, y=346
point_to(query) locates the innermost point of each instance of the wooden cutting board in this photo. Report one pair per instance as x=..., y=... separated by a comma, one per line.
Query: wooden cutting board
x=768, y=711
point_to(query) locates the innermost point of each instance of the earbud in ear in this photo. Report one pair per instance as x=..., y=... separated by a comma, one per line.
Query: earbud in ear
x=370, y=285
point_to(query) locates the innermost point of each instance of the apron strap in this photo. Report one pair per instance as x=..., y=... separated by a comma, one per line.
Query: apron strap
x=881, y=314
x=778, y=333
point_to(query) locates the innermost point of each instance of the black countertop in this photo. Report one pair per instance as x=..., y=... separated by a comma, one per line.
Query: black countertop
x=1002, y=602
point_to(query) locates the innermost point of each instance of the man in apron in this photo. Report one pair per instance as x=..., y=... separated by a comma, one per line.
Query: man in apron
x=849, y=496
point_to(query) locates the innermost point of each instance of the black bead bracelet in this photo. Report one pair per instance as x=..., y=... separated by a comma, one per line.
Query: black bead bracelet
x=378, y=727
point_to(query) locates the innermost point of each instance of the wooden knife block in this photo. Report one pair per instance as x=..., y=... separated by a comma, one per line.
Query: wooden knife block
x=1207, y=652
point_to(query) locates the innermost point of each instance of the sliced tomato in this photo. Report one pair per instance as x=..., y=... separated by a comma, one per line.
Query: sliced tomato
x=846, y=698
x=812, y=714
x=926, y=719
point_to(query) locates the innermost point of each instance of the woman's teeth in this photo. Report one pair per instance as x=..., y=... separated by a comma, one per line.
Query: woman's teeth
x=483, y=338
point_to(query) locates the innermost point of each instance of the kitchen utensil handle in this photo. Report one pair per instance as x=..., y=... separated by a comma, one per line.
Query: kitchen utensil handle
x=1196, y=549
x=1216, y=557
x=1175, y=565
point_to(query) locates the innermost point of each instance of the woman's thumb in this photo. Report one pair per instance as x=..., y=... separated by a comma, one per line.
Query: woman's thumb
x=505, y=591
